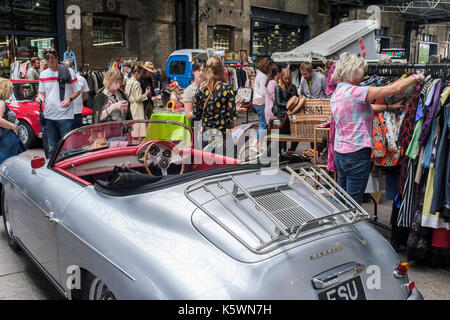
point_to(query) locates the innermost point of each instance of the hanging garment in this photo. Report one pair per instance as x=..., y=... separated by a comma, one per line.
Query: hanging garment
x=441, y=196
x=379, y=137
x=393, y=122
x=381, y=154
x=406, y=212
x=427, y=124
x=432, y=139
x=413, y=147
x=331, y=84
x=418, y=240
x=70, y=55
x=431, y=220
x=408, y=124
x=331, y=164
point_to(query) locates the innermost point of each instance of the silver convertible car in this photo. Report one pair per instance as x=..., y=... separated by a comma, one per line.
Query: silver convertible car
x=112, y=216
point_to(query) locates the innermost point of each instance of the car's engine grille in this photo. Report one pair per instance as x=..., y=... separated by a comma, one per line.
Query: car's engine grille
x=290, y=213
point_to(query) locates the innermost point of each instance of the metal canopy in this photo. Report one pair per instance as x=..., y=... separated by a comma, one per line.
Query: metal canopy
x=414, y=12
x=422, y=12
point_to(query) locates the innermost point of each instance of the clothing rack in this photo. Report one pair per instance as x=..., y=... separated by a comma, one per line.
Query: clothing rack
x=399, y=69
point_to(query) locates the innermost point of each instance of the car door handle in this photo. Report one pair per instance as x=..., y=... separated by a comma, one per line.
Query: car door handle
x=337, y=275
x=50, y=216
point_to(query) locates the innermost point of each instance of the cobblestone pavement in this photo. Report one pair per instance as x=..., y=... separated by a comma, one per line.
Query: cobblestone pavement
x=20, y=279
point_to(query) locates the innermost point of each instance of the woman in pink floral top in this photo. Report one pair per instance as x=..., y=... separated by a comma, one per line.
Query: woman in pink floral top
x=353, y=114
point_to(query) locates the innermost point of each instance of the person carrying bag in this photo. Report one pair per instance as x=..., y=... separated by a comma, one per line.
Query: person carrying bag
x=10, y=144
x=215, y=106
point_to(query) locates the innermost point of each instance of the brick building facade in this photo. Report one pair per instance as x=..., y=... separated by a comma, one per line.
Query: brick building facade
x=151, y=29
x=148, y=31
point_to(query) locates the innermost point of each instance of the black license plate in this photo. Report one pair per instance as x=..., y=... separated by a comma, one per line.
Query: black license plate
x=349, y=290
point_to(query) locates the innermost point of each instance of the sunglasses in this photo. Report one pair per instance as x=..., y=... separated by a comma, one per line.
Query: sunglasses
x=50, y=51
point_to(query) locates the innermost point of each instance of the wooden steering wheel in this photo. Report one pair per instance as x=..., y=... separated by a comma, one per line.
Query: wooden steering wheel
x=161, y=158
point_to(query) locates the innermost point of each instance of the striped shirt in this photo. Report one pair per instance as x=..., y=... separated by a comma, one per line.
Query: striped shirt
x=48, y=84
x=353, y=117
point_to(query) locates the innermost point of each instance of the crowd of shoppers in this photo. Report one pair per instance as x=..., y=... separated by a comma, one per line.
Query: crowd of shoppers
x=211, y=100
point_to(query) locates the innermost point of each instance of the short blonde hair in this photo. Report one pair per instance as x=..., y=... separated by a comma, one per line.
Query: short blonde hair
x=113, y=75
x=350, y=67
x=5, y=88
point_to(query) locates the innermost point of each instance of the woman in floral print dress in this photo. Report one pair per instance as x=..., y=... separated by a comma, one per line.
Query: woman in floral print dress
x=214, y=106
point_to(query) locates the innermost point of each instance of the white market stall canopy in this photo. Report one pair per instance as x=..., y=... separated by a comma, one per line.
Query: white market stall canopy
x=329, y=45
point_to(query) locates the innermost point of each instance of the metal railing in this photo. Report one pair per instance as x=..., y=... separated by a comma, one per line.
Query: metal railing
x=277, y=215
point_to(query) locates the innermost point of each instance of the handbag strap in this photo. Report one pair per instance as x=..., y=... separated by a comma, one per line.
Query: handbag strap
x=210, y=94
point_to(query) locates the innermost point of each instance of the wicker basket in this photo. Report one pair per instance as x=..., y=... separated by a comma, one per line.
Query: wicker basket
x=306, y=130
x=302, y=123
x=314, y=110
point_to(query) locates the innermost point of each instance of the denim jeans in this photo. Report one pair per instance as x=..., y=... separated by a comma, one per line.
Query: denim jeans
x=77, y=120
x=353, y=172
x=56, y=130
x=262, y=127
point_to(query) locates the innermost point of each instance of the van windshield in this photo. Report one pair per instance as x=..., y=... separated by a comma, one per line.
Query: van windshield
x=177, y=67
x=200, y=56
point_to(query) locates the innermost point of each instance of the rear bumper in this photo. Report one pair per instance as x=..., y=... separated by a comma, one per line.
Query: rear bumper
x=415, y=295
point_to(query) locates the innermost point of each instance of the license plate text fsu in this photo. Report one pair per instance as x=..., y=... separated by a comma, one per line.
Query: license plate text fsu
x=349, y=290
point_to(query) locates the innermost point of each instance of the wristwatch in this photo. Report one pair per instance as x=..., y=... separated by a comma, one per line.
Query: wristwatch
x=71, y=99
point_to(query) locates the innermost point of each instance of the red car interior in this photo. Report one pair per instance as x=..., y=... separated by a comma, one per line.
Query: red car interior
x=196, y=160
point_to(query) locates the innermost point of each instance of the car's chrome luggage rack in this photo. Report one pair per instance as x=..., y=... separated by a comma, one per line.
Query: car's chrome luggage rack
x=279, y=219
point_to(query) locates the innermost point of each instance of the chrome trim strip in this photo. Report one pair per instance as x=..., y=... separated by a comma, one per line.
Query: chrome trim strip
x=59, y=222
x=337, y=275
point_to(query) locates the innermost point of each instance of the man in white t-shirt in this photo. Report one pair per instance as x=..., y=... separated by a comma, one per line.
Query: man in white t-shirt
x=78, y=102
x=58, y=88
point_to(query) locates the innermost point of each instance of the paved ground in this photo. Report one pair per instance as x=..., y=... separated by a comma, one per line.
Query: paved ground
x=20, y=279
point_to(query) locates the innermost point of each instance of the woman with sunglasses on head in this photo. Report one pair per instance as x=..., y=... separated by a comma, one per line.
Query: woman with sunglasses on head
x=189, y=93
x=214, y=106
x=353, y=114
x=111, y=103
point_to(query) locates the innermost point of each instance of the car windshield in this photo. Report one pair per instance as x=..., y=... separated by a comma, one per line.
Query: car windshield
x=24, y=91
x=122, y=134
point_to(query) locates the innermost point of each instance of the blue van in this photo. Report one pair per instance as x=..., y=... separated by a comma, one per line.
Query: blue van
x=179, y=64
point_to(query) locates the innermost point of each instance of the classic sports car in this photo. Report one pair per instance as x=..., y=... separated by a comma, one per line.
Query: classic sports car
x=109, y=217
x=27, y=111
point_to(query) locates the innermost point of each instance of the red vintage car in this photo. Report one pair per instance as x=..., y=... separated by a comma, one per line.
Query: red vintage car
x=23, y=103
